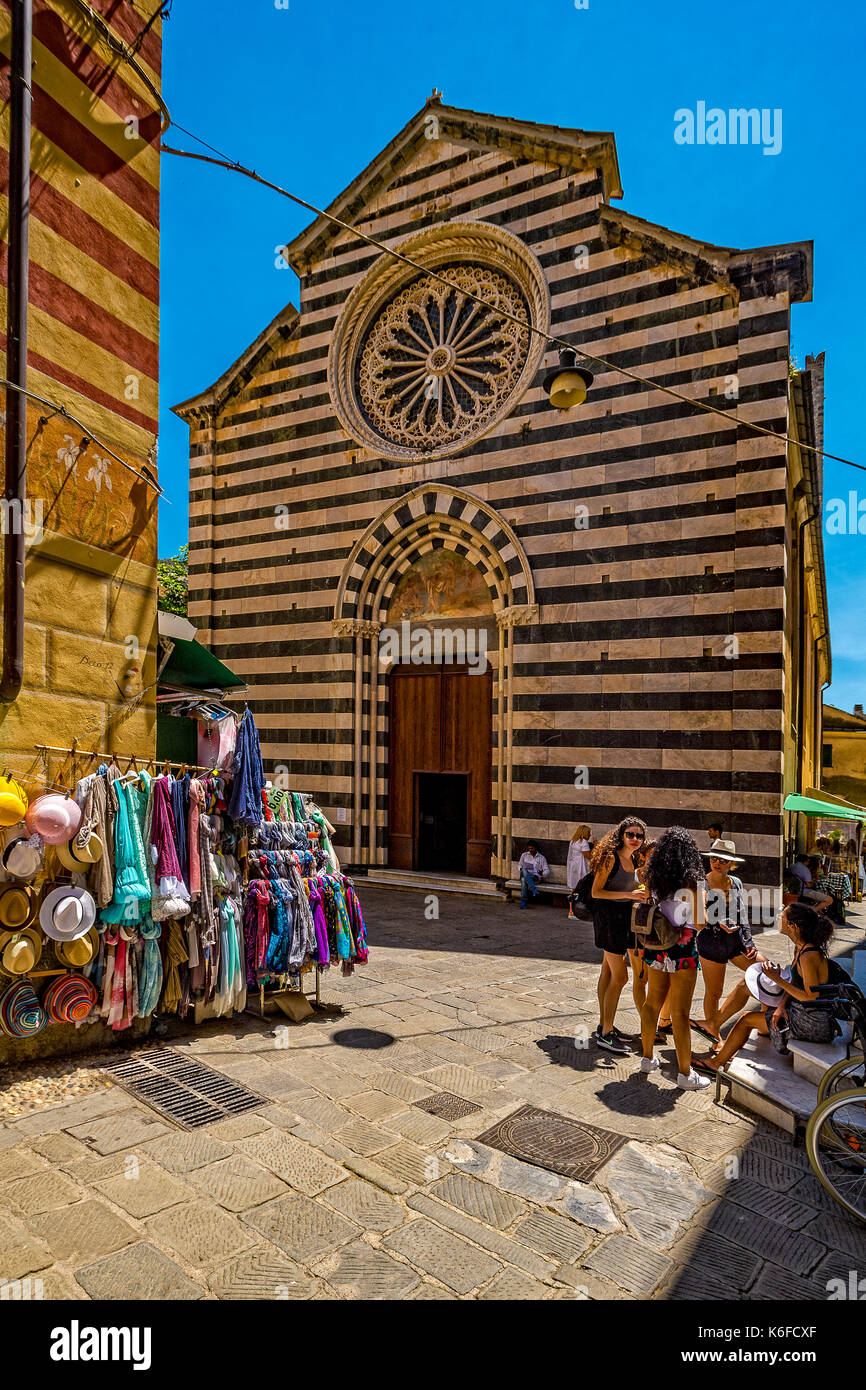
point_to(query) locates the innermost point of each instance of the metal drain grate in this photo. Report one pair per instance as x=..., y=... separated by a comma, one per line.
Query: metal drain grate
x=180, y=1088
x=570, y=1147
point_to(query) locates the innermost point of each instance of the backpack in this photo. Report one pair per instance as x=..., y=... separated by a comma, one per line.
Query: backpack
x=581, y=898
x=652, y=929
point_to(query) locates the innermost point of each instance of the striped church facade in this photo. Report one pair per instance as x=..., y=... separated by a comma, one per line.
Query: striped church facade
x=93, y=350
x=645, y=634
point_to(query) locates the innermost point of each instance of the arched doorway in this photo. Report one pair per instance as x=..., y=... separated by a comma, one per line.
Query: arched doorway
x=440, y=625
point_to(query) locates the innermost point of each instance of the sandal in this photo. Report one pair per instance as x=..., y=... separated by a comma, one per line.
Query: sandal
x=704, y=1032
x=700, y=1065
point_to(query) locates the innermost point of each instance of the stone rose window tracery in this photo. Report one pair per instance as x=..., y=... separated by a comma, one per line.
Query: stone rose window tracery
x=435, y=364
x=417, y=369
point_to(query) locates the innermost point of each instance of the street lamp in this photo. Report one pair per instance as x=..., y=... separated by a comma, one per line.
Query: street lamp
x=567, y=385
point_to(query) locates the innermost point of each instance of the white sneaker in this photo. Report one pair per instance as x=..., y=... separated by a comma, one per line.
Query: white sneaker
x=649, y=1063
x=693, y=1082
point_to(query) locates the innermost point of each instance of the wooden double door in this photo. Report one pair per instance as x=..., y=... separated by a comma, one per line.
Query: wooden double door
x=439, y=770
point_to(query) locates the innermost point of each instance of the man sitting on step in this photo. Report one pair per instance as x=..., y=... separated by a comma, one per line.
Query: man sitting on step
x=532, y=867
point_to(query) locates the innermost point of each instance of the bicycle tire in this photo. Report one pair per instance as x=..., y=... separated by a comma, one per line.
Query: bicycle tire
x=828, y=1085
x=856, y=1101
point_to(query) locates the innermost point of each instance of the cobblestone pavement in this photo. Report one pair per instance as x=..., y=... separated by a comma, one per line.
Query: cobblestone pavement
x=359, y=1176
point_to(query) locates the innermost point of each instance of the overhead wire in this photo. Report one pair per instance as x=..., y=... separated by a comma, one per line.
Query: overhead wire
x=234, y=166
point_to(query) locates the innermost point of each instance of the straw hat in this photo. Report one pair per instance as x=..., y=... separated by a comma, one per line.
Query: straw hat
x=78, y=861
x=723, y=849
x=18, y=906
x=67, y=913
x=56, y=818
x=13, y=801
x=78, y=952
x=22, y=858
x=20, y=950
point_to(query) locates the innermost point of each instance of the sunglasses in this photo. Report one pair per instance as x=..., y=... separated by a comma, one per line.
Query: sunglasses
x=634, y=835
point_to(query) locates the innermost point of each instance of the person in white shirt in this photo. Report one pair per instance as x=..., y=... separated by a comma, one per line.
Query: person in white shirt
x=532, y=867
x=577, y=864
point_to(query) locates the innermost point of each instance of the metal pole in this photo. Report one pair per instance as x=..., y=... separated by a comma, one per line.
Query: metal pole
x=15, y=485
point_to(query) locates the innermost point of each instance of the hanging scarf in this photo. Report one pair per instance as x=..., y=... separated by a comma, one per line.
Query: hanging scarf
x=304, y=924
x=131, y=883
x=170, y=894
x=175, y=955
x=196, y=802
x=356, y=917
x=256, y=931
x=179, y=797
x=279, y=950
x=323, y=955
x=91, y=796
x=150, y=968
x=245, y=802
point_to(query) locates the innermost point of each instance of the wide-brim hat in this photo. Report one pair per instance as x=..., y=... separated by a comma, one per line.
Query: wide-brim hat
x=13, y=801
x=22, y=858
x=21, y=1014
x=67, y=913
x=56, y=818
x=762, y=988
x=80, y=951
x=18, y=906
x=19, y=951
x=723, y=849
x=78, y=861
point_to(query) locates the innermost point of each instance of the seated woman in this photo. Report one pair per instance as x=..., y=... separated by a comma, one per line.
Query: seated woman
x=808, y=1018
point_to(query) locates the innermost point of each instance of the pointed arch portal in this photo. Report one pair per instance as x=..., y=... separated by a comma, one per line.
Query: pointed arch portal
x=411, y=718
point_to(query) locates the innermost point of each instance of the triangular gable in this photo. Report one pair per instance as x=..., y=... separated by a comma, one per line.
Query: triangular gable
x=573, y=150
x=241, y=371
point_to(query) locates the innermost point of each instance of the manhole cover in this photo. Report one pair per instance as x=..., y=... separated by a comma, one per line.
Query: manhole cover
x=363, y=1037
x=184, y=1090
x=447, y=1106
x=569, y=1147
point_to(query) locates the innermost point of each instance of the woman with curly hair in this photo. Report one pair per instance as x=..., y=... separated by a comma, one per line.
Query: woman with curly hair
x=801, y=1007
x=676, y=883
x=615, y=888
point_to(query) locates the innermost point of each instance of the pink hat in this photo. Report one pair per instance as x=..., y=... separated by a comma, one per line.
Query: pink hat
x=55, y=818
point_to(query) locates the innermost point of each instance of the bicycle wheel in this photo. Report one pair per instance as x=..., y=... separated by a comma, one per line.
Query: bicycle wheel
x=836, y=1145
x=846, y=1075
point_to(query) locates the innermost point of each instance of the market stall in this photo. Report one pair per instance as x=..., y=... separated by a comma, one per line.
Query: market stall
x=128, y=893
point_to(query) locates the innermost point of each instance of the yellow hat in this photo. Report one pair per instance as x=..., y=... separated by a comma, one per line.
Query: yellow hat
x=79, y=952
x=20, y=950
x=18, y=906
x=13, y=801
x=76, y=860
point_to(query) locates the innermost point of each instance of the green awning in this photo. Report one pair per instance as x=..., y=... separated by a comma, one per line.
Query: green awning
x=827, y=809
x=193, y=667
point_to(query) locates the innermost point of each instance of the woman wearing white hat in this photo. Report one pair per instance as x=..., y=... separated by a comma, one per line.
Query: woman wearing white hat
x=727, y=937
x=786, y=998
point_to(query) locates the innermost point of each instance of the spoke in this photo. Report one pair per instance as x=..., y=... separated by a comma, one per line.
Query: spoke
x=425, y=347
x=460, y=370
x=406, y=376
x=485, y=327
x=455, y=338
x=453, y=397
x=459, y=301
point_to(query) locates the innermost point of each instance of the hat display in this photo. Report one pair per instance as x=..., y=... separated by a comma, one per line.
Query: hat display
x=56, y=818
x=723, y=849
x=78, y=952
x=69, y=999
x=18, y=906
x=22, y=858
x=67, y=913
x=20, y=950
x=78, y=861
x=13, y=801
x=762, y=988
x=21, y=1014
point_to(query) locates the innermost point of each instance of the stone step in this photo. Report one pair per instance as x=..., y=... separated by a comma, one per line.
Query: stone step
x=433, y=883
x=770, y=1086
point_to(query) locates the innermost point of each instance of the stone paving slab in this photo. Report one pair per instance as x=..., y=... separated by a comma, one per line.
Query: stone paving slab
x=375, y=1105
x=239, y=1126
x=480, y=1200
x=295, y=1162
x=793, y=1249
x=140, y=1273
x=20, y=1162
x=200, y=1232
x=511, y=1286
x=628, y=1262
x=427, y=1130
x=74, y=1112
x=145, y=1191
x=366, y=1139
x=23, y=1251
x=372, y=1274
x=181, y=1153
x=82, y=1231
x=39, y=1192
x=412, y=1163
x=446, y=1256
x=59, y=1148
x=554, y=1236
x=508, y=1250
x=367, y=1205
x=261, y=1274
x=373, y=1172
x=123, y=1131
x=406, y=1088
x=300, y=1227
x=711, y=1257
x=237, y=1183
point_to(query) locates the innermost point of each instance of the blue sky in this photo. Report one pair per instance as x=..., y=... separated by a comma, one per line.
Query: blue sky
x=308, y=94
